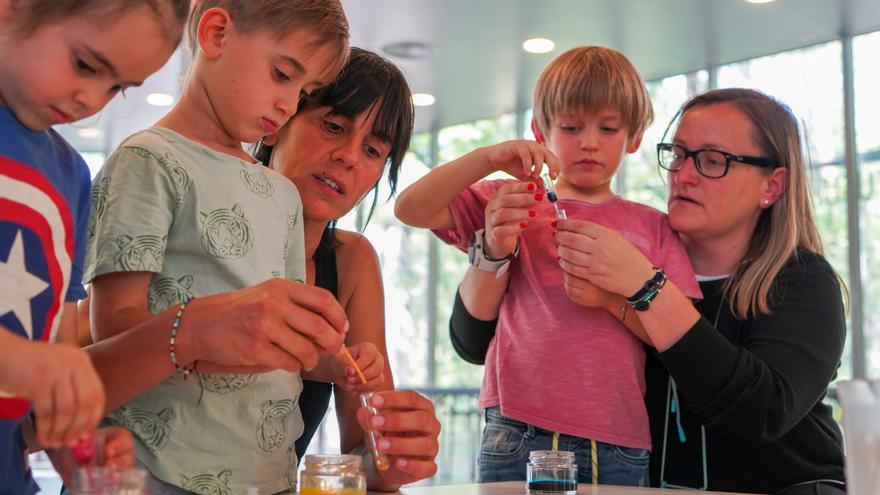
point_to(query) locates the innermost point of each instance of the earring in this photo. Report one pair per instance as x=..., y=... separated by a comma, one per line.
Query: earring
x=766, y=202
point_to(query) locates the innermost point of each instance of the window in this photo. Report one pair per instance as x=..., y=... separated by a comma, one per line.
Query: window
x=867, y=103
x=810, y=81
x=639, y=179
x=403, y=255
x=453, y=142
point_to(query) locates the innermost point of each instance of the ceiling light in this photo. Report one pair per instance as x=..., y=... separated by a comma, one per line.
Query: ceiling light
x=759, y=1
x=407, y=49
x=160, y=99
x=90, y=133
x=423, y=99
x=538, y=45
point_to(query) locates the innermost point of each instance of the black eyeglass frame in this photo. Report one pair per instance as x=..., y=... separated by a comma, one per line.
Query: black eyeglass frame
x=757, y=161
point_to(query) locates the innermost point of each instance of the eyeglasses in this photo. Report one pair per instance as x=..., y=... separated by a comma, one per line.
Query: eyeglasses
x=710, y=163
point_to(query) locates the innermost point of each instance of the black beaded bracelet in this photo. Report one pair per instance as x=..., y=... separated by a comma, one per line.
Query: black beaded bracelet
x=642, y=299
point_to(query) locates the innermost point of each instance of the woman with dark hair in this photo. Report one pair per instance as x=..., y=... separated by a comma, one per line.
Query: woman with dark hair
x=335, y=150
x=734, y=384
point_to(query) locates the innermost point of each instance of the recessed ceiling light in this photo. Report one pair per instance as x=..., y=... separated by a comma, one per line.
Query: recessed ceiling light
x=759, y=1
x=90, y=133
x=160, y=99
x=538, y=45
x=423, y=99
x=407, y=49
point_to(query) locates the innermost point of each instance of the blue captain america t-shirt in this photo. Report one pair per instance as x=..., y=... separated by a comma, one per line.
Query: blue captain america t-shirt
x=44, y=215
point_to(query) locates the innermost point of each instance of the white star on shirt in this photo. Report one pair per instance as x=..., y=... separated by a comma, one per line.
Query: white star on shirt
x=18, y=286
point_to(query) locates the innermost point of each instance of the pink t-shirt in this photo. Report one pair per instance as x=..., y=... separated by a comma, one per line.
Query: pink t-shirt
x=554, y=363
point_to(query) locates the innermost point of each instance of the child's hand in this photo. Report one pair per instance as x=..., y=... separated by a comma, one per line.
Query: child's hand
x=522, y=159
x=117, y=447
x=586, y=293
x=372, y=365
x=66, y=394
x=508, y=213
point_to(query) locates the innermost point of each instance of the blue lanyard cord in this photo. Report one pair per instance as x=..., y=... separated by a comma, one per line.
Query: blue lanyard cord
x=673, y=405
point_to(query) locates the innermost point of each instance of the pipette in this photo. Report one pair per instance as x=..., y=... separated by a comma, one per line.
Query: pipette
x=552, y=196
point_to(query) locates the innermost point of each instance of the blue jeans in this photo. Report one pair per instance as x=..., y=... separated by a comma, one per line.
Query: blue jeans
x=506, y=443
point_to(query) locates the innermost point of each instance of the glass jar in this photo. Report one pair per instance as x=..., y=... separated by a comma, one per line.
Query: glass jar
x=551, y=471
x=333, y=475
x=99, y=480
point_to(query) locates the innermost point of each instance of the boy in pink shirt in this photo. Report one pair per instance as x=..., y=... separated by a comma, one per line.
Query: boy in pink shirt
x=557, y=372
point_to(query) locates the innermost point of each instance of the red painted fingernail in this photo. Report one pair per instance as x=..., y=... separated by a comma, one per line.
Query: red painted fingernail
x=532, y=213
x=531, y=186
x=522, y=225
x=553, y=223
x=539, y=197
x=84, y=451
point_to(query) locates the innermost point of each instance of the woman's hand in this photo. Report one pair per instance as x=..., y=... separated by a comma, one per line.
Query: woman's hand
x=508, y=213
x=371, y=363
x=410, y=431
x=591, y=252
x=522, y=159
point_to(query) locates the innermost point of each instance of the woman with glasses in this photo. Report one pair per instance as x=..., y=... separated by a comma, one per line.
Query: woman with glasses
x=735, y=383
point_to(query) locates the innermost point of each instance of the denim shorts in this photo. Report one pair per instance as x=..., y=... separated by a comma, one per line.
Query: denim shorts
x=506, y=443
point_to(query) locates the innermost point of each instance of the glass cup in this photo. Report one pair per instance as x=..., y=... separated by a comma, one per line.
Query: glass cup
x=99, y=480
x=332, y=475
x=551, y=471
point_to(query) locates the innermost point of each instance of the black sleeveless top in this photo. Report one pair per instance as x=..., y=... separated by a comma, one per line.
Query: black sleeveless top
x=315, y=397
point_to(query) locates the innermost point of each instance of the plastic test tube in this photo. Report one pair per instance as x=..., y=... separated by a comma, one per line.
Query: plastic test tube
x=373, y=436
x=552, y=196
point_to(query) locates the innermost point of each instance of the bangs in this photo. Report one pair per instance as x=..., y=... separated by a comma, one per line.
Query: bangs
x=591, y=80
x=366, y=86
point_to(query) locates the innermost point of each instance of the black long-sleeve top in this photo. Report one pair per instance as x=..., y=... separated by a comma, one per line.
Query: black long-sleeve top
x=757, y=385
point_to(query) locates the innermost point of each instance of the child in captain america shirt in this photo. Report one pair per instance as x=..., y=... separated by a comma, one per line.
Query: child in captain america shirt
x=60, y=62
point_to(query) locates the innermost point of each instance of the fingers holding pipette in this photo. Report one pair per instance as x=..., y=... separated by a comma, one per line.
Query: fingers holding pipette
x=508, y=213
x=409, y=434
x=364, y=370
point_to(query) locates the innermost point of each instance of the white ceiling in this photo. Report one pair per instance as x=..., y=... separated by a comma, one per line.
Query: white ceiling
x=477, y=67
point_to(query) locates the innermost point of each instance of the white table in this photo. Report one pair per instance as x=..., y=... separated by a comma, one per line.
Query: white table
x=519, y=488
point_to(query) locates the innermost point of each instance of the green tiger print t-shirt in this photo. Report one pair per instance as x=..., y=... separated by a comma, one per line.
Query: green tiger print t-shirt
x=203, y=222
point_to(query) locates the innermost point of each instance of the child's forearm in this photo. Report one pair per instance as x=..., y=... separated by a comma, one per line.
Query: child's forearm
x=425, y=203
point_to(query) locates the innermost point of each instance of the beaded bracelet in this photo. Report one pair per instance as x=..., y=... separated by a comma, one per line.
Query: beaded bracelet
x=174, y=328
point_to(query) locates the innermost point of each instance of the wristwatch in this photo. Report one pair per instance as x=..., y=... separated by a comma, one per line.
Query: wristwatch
x=641, y=300
x=478, y=258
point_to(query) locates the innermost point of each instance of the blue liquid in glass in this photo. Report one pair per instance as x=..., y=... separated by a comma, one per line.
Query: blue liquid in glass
x=553, y=486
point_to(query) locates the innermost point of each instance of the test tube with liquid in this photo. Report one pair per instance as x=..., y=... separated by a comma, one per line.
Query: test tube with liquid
x=552, y=196
x=382, y=461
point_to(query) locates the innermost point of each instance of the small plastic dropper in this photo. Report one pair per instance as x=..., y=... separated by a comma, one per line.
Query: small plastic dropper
x=552, y=196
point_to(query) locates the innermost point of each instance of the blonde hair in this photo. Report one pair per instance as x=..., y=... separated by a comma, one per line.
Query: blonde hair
x=323, y=18
x=592, y=79
x=788, y=224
